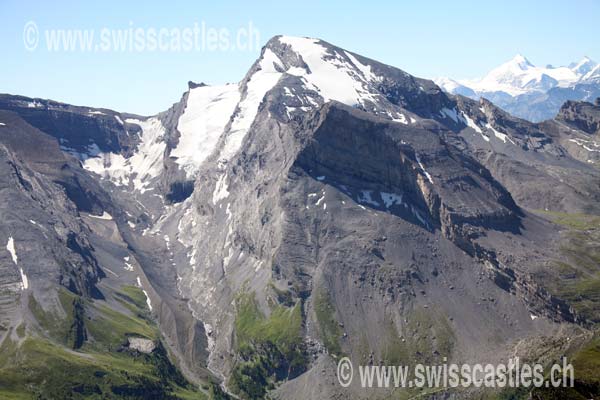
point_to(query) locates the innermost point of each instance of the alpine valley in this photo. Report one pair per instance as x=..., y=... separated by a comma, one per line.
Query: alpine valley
x=239, y=243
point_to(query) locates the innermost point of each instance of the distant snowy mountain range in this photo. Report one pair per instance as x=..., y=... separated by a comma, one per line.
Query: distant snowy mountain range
x=531, y=92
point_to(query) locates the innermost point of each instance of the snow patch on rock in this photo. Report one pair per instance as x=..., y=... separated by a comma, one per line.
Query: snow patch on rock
x=221, y=189
x=427, y=175
x=207, y=112
x=148, y=302
x=499, y=135
x=390, y=199
x=105, y=216
x=471, y=124
x=331, y=74
x=366, y=198
x=10, y=246
x=139, y=169
x=257, y=87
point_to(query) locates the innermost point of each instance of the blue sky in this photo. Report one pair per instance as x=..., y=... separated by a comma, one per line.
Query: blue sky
x=460, y=39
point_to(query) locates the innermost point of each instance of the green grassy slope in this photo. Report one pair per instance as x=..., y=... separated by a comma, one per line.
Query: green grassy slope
x=52, y=362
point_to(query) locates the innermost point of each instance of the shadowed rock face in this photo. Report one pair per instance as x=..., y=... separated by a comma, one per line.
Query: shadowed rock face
x=66, y=229
x=380, y=218
x=361, y=154
x=35, y=170
x=544, y=166
x=105, y=128
x=581, y=115
x=42, y=153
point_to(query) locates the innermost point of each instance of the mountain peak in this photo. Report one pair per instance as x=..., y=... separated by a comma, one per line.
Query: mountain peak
x=521, y=61
x=314, y=72
x=592, y=74
x=584, y=66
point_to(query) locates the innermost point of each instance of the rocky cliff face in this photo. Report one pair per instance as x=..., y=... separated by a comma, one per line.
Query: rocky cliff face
x=325, y=205
x=70, y=271
x=38, y=180
x=526, y=157
x=581, y=115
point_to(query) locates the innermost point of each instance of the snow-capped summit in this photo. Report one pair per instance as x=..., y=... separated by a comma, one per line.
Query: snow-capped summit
x=584, y=66
x=454, y=87
x=224, y=113
x=520, y=61
x=593, y=76
x=210, y=123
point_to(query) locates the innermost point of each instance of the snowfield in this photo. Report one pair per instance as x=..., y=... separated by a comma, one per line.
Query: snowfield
x=207, y=112
x=145, y=164
x=10, y=246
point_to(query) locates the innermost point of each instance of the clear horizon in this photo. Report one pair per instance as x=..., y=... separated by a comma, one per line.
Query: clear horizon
x=425, y=42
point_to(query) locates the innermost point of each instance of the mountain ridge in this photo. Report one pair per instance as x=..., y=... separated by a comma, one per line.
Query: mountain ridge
x=361, y=208
x=530, y=92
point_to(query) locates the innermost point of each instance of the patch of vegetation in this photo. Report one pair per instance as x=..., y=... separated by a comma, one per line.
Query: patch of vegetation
x=576, y=279
x=578, y=273
x=427, y=337
x=396, y=350
x=284, y=297
x=134, y=298
x=328, y=326
x=76, y=335
x=5, y=395
x=51, y=322
x=583, y=249
x=109, y=329
x=20, y=330
x=189, y=394
x=583, y=294
x=282, y=327
x=572, y=220
x=586, y=363
x=68, y=330
x=216, y=393
x=45, y=368
x=7, y=351
x=270, y=348
x=42, y=369
x=210, y=391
